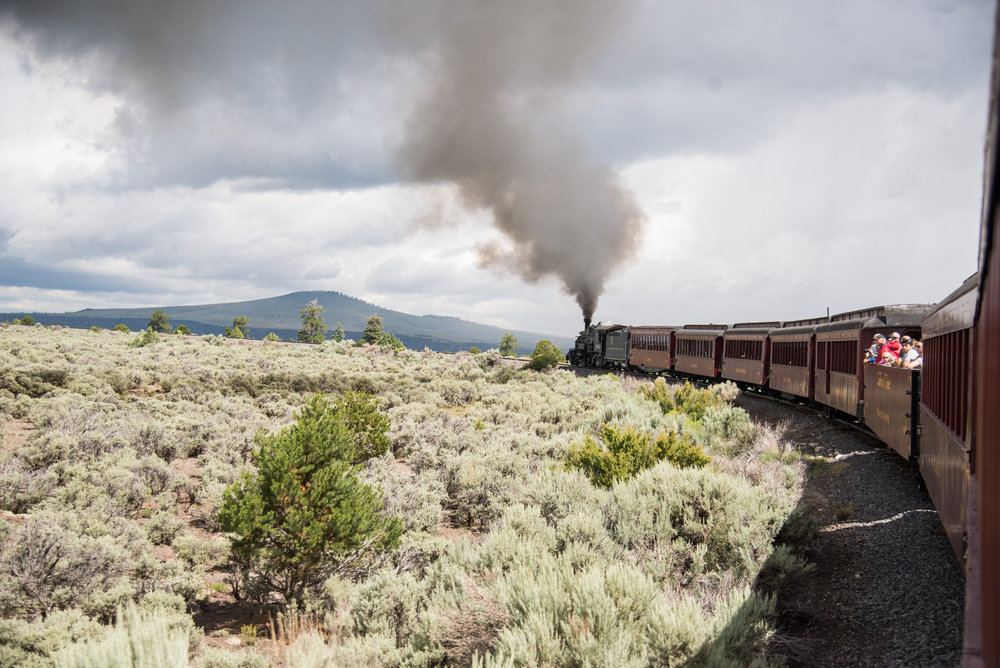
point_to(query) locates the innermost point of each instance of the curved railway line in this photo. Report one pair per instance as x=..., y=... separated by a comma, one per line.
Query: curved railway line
x=944, y=418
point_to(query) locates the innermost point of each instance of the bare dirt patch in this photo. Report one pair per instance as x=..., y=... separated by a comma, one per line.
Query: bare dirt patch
x=15, y=434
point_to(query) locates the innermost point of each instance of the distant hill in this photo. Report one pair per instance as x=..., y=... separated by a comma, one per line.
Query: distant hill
x=281, y=316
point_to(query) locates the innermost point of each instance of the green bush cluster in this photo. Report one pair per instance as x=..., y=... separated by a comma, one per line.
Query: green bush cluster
x=147, y=338
x=621, y=452
x=545, y=356
x=686, y=398
x=33, y=382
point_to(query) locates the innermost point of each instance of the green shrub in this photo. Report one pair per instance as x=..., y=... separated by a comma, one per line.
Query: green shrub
x=210, y=552
x=183, y=330
x=147, y=338
x=138, y=640
x=272, y=337
x=695, y=401
x=31, y=643
x=50, y=567
x=163, y=527
x=35, y=382
x=684, y=399
x=545, y=356
x=121, y=327
x=732, y=426
x=222, y=658
x=22, y=487
x=622, y=452
x=304, y=514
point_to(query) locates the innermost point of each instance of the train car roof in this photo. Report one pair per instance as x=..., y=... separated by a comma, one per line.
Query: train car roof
x=890, y=315
x=855, y=323
x=656, y=326
x=771, y=324
x=702, y=330
x=755, y=331
x=796, y=329
x=955, y=312
x=607, y=328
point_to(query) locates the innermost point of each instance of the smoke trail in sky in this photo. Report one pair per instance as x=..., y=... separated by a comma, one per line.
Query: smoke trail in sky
x=488, y=121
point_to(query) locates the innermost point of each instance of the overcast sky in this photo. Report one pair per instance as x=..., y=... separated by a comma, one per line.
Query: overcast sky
x=505, y=163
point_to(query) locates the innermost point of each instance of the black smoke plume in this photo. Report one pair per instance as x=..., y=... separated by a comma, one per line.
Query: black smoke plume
x=488, y=121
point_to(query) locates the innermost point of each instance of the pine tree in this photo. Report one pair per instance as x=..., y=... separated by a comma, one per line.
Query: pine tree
x=508, y=345
x=159, y=322
x=373, y=330
x=338, y=332
x=313, y=328
x=305, y=515
x=240, y=328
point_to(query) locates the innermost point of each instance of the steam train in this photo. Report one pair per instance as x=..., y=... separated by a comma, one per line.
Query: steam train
x=945, y=417
x=925, y=414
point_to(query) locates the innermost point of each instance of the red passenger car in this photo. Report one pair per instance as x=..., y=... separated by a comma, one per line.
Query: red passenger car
x=699, y=350
x=746, y=352
x=840, y=346
x=946, y=420
x=652, y=348
x=982, y=612
x=792, y=350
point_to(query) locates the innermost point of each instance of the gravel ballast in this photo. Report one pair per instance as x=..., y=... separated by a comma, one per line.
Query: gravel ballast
x=887, y=589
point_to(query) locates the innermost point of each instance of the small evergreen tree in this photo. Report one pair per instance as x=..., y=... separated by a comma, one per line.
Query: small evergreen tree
x=240, y=328
x=376, y=335
x=183, y=330
x=508, y=345
x=373, y=330
x=27, y=320
x=338, y=333
x=313, y=328
x=121, y=327
x=272, y=337
x=305, y=515
x=545, y=355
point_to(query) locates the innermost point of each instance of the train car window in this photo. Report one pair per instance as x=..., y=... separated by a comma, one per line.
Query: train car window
x=844, y=356
x=790, y=353
x=945, y=389
x=694, y=348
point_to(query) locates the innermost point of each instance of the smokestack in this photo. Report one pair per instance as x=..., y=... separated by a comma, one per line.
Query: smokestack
x=586, y=323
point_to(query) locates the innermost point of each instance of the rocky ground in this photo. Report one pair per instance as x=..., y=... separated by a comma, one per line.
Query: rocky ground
x=887, y=589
